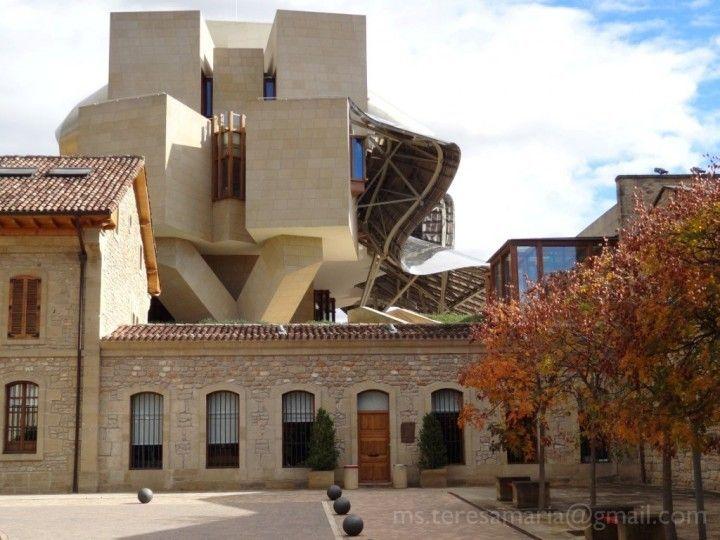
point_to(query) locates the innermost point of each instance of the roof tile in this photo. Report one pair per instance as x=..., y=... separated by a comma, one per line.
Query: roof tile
x=97, y=193
x=290, y=332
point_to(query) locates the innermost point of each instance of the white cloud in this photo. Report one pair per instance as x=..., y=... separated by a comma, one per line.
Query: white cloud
x=546, y=104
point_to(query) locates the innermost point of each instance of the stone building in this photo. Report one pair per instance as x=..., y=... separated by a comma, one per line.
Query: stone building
x=279, y=192
x=197, y=406
x=281, y=189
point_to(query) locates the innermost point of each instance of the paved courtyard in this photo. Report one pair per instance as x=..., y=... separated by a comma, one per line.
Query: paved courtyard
x=455, y=513
x=295, y=515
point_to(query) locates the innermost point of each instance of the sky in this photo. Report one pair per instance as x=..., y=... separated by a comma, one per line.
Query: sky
x=549, y=100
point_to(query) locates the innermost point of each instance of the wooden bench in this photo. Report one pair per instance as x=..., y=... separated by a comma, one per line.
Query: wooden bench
x=503, y=486
x=642, y=527
x=603, y=521
x=526, y=494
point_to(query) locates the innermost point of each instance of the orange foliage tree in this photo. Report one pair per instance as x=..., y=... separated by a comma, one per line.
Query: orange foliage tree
x=515, y=378
x=668, y=277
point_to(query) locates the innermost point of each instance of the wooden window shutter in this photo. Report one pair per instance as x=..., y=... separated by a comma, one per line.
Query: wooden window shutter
x=32, y=307
x=24, y=316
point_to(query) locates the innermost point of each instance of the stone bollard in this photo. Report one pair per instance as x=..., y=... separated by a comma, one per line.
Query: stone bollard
x=399, y=476
x=350, y=477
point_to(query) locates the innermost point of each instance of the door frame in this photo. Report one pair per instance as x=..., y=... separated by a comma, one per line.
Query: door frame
x=351, y=396
x=389, y=468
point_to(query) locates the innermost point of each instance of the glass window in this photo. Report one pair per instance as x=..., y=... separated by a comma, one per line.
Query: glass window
x=223, y=448
x=206, y=96
x=21, y=418
x=527, y=267
x=269, y=87
x=558, y=258
x=373, y=400
x=298, y=417
x=446, y=405
x=146, y=425
x=506, y=277
x=357, y=154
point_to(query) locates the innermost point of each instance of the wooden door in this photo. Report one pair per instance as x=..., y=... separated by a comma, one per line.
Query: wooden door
x=374, y=447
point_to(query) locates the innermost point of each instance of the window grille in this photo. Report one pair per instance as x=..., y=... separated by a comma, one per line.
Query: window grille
x=223, y=448
x=146, y=425
x=324, y=306
x=21, y=418
x=24, y=307
x=298, y=417
x=446, y=405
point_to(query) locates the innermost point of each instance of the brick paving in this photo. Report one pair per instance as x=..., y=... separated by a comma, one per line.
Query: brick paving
x=422, y=513
x=296, y=515
x=558, y=523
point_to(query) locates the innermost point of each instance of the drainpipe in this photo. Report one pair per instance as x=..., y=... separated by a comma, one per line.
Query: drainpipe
x=82, y=258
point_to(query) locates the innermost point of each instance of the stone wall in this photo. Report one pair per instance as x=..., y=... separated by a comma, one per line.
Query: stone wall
x=123, y=298
x=153, y=52
x=682, y=470
x=49, y=469
x=261, y=373
x=318, y=55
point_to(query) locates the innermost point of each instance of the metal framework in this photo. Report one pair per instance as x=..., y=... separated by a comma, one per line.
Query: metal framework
x=406, y=196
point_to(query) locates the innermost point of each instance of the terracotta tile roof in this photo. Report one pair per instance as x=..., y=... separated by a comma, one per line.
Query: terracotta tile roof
x=301, y=332
x=96, y=193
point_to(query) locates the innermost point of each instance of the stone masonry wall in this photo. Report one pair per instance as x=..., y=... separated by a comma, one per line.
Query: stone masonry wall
x=49, y=469
x=260, y=376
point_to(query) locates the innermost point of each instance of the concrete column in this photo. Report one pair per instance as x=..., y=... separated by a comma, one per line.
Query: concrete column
x=282, y=274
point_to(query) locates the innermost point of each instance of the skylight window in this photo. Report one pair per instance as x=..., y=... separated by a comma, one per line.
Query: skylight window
x=69, y=171
x=17, y=171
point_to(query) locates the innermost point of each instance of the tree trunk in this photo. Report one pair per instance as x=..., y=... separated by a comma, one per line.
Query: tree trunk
x=699, y=495
x=667, y=495
x=593, y=471
x=643, y=470
x=542, y=503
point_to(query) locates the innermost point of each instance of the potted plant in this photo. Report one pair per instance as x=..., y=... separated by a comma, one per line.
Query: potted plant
x=433, y=454
x=322, y=452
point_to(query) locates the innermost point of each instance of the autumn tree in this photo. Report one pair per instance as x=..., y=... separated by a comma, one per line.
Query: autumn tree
x=581, y=334
x=515, y=377
x=668, y=264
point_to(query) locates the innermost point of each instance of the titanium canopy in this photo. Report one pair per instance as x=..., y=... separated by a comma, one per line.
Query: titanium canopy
x=405, y=219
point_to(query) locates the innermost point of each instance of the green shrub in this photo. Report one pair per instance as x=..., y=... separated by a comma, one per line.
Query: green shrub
x=322, y=453
x=433, y=454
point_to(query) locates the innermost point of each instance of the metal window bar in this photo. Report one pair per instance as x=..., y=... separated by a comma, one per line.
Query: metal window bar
x=298, y=417
x=146, y=426
x=446, y=405
x=21, y=418
x=223, y=448
x=324, y=306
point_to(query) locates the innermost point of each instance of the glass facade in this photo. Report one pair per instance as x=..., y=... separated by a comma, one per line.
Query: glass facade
x=269, y=87
x=519, y=263
x=558, y=258
x=357, y=157
x=527, y=265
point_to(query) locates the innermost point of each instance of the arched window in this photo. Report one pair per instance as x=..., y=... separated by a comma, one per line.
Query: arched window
x=298, y=416
x=146, y=431
x=21, y=418
x=373, y=400
x=24, y=308
x=223, y=448
x=446, y=405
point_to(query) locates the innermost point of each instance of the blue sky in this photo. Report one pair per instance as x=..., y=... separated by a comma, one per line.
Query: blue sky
x=549, y=101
